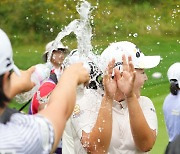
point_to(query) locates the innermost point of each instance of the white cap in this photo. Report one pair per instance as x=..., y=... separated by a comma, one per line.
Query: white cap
x=116, y=50
x=50, y=47
x=174, y=72
x=6, y=55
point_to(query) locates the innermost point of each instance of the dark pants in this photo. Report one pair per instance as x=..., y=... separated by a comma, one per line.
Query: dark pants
x=167, y=148
x=58, y=151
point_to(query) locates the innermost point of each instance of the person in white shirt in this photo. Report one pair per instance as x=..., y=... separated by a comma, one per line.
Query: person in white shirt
x=171, y=106
x=120, y=121
x=40, y=133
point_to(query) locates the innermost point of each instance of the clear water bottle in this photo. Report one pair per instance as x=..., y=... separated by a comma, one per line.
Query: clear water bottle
x=41, y=73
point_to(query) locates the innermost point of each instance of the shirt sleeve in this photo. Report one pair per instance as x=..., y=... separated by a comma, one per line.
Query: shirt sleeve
x=85, y=112
x=149, y=112
x=27, y=134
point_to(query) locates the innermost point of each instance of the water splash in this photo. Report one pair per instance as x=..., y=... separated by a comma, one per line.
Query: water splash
x=148, y=27
x=40, y=74
x=135, y=35
x=81, y=28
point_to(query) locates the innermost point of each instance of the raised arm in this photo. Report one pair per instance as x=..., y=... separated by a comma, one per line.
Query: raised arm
x=21, y=83
x=62, y=100
x=144, y=137
x=99, y=138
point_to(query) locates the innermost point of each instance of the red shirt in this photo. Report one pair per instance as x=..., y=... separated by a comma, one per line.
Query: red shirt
x=45, y=89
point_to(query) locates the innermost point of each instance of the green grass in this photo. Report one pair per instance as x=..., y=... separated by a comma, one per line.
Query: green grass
x=29, y=37
x=156, y=89
x=157, y=93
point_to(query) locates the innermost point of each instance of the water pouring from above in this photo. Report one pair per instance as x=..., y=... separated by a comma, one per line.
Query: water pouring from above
x=81, y=28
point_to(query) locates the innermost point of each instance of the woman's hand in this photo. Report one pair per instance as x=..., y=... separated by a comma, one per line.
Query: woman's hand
x=110, y=85
x=125, y=80
x=21, y=83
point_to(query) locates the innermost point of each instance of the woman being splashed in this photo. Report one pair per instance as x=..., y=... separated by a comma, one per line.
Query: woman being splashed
x=114, y=119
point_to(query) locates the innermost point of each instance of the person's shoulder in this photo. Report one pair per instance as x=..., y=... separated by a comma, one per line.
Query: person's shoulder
x=88, y=98
x=145, y=99
x=21, y=127
x=146, y=104
x=92, y=94
x=169, y=96
x=168, y=99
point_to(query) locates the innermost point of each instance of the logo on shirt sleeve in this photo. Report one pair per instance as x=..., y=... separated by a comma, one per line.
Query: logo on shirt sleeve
x=152, y=109
x=77, y=111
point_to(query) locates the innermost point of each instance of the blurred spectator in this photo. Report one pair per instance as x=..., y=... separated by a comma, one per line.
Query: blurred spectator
x=171, y=106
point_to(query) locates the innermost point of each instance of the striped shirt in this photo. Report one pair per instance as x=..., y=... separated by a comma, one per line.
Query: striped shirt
x=26, y=134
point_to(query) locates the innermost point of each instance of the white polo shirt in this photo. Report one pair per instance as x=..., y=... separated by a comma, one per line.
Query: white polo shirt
x=67, y=139
x=85, y=115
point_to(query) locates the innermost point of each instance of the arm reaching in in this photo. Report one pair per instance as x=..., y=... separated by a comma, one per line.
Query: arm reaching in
x=63, y=97
x=21, y=83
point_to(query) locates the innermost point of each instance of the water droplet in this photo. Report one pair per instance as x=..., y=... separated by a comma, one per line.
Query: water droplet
x=27, y=18
x=159, y=18
x=135, y=34
x=148, y=27
x=100, y=129
x=99, y=140
x=51, y=29
x=108, y=12
x=174, y=11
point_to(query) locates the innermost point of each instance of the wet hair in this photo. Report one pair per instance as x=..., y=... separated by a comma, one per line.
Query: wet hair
x=3, y=97
x=174, y=87
x=44, y=57
x=96, y=79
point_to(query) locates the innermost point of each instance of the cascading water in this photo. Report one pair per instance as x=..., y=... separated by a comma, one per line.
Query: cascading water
x=81, y=28
x=83, y=31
